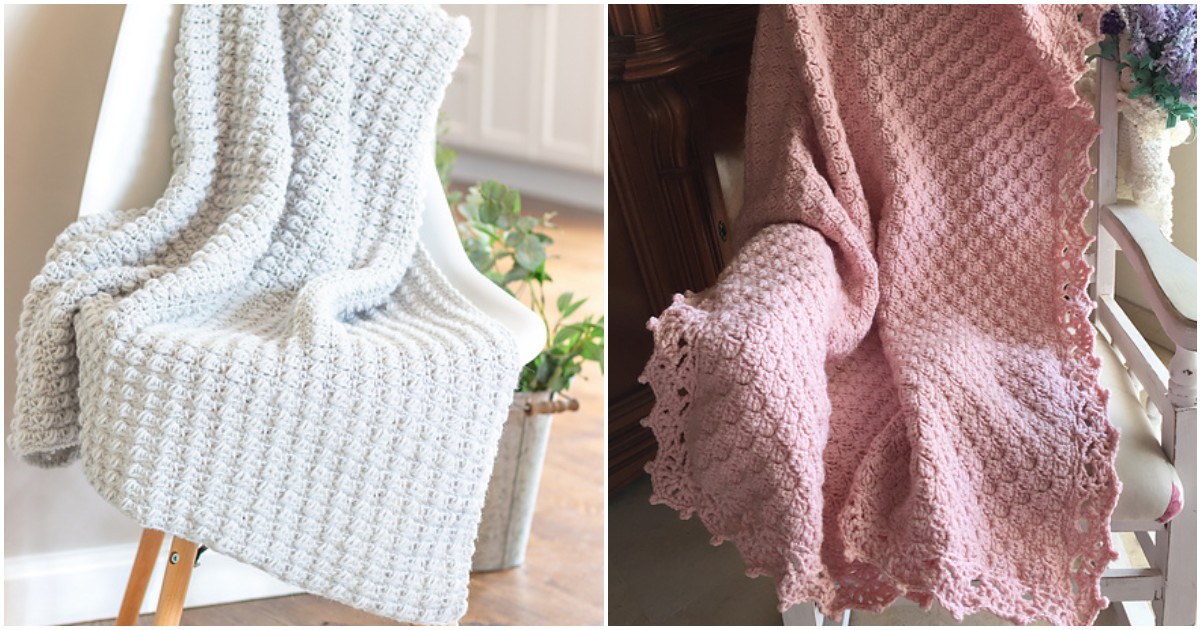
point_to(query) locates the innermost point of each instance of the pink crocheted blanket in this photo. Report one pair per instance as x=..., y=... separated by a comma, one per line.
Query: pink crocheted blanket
x=892, y=390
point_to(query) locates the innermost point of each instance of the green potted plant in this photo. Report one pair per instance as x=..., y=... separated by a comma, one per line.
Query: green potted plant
x=510, y=248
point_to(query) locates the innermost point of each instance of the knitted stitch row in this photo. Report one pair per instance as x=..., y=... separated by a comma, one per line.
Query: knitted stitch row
x=267, y=361
x=891, y=390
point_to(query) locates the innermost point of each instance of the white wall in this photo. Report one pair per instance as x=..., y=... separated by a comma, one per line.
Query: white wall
x=55, y=64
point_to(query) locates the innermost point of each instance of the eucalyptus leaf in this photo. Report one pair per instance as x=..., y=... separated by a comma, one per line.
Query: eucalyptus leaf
x=510, y=250
x=513, y=239
x=516, y=273
x=530, y=253
x=481, y=259
x=527, y=224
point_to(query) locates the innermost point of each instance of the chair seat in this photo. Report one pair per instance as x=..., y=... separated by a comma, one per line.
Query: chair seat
x=1150, y=485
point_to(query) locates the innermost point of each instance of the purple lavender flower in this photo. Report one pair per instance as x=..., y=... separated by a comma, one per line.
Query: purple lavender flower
x=1153, y=20
x=1112, y=23
x=1163, y=39
x=1182, y=18
x=1178, y=59
x=1178, y=55
x=1138, y=40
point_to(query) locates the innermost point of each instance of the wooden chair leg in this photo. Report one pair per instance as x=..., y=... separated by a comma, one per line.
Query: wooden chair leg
x=175, y=582
x=139, y=577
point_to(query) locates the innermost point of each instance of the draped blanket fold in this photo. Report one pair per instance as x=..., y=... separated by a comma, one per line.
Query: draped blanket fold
x=267, y=361
x=891, y=390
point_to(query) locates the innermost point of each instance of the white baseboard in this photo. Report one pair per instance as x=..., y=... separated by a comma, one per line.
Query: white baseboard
x=536, y=180
x=88, y=584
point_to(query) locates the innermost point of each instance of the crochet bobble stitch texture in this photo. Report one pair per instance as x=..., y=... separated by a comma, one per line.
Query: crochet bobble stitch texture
x=891, y=390
x=267, y=361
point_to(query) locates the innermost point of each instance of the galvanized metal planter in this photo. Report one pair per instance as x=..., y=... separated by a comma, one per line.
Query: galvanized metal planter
x=513, y=490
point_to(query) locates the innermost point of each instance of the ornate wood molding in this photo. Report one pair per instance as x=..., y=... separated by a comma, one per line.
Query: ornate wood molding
x=663, y=192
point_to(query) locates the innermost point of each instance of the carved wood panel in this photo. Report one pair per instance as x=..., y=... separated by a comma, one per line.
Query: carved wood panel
x=677, y=93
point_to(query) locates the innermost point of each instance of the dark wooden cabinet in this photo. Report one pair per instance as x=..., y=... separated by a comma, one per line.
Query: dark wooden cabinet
x=677, y=99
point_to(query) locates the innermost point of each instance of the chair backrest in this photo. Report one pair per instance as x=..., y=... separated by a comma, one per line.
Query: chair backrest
x=1103, y=254
x=130, y=162
x=1166, y=276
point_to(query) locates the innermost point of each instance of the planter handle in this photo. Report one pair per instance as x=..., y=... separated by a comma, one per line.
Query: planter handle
x=552, y=406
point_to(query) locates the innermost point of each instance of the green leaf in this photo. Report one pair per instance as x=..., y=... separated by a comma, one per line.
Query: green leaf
x=487, y=230
x=513, y=239
x=593, y=352
x=546, y=367
x=481, y=259
x=530, y=253
x=1108, y=48
x=488, y=212
x=516, y=274
x=470, y=206
x=491, y=195
x=444, y=159
x=571, y=308
x=525, y=381
x=564, y=301
x=1140, y=91
x=527, y=224
x=510, y=250
x=513, y=201
x=566, y=334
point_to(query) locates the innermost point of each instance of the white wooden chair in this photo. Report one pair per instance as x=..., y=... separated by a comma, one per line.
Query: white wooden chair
x=130, y=166
x=1157, y=466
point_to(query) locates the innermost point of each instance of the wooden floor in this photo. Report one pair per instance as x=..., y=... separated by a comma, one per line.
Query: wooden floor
x=562, y=581
x=665, y=572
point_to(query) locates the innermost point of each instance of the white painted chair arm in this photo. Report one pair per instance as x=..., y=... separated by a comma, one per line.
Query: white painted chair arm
x=1169, y=275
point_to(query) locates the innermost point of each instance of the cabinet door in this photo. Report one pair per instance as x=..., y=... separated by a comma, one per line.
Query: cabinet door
x=530, y=85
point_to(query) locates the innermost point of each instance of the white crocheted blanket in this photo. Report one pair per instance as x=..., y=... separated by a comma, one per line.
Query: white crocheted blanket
x=267, y=361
